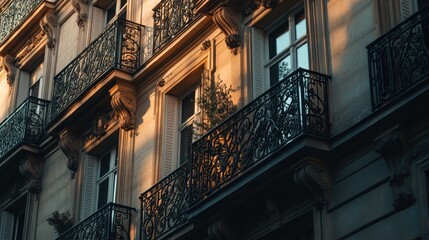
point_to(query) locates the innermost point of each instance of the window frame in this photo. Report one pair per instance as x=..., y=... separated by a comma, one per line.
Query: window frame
x=111, y=175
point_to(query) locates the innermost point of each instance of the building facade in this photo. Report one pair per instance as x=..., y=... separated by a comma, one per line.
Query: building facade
x=102, y=99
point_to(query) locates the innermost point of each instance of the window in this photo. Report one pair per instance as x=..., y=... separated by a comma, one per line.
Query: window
x=107, y=178
x=12, y=221
x=35, y=81
x=188, y=116
x=287, y=47
x=117, y=8
x=100, y=180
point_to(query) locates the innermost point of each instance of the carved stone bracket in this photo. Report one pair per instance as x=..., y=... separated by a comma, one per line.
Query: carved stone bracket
x=48, y=25
x=81, y=7
x=392, y=148
x=8, y=64
x=31, y=168
x=220, y=230
x=227, y=20
x=70, y=145
x=251, y=5
x=313, y=175
x=124, y=104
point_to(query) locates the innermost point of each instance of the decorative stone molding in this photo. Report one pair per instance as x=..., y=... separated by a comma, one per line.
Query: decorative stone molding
x=392, y=147
x=48, y=25
x=81, y=8
x=219, y=230
x=8, y=64
x=102, y=122
x=313, y=175
x=124, y=104
x=205, y=45
x=70, y=145
x=251, y=5
x=30, y=45
x=227, y=20
x=31, y=168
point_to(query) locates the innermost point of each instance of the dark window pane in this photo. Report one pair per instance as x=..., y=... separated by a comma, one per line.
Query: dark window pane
x=20, y=225
x=104, y=164
x=111, y=11
x=123, y=2
x=280, y=70
x=185, y=144
x=103, y=191
x=279, y=40
x=188, y=106
x=34, y=90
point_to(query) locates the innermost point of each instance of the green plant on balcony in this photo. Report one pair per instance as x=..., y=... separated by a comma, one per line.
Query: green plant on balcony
x=215, y=104
x=61, y=221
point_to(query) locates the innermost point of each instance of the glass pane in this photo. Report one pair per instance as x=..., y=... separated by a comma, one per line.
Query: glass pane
x=185, y=144
x=280, y=70
x=111, y=11
x=188, y=106
x=34, y=90
x=300, y=26
x=279, y=40
x=103, y=191
x=302, y=55
x=20, y=226
x=104, y=164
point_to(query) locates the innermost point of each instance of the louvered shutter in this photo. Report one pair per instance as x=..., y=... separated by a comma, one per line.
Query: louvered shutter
x=89, y=186
x=6, y=227
x=408, y=7
x=171, y=121
x=257, y=62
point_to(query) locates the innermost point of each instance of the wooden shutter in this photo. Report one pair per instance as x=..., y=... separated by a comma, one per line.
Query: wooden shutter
x=89, y=186
x=6, y=227
x=257, y=62
x=408, y=7
x=171, y=125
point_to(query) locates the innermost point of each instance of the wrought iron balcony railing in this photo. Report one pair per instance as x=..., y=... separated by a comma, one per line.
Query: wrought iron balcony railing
x=295, y=106
x=14, y=14
x=399, y=59
x=118, y=47
x=25, y=125
x=170, y=17
x=110, y=222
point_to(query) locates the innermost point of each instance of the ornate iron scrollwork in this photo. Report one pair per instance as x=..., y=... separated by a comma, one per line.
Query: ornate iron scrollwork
x=170, y=17
x=15, y=14
x=297, y=105
x=110, y=222
x=25, y=125
x=399, y=59
x=119, y=47
x=164, y=205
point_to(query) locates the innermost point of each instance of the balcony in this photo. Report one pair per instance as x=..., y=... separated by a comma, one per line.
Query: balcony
x=14, y=15
x=296, y=106
x=119, y=47
x=25, y=125
x=399, y=60
x=110, y=222
x=170, y=18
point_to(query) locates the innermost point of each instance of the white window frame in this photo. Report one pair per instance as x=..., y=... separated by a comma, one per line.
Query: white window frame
x=36, y=77
x=111, y=175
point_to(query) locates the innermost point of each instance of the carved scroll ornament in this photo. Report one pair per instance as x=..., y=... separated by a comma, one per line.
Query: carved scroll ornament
x=70, y=145
x=48, y=25
x=124, y=104
x=8, y=65
x=227, y=20
x=81, y=8
x=314, y=177
x=31, y=168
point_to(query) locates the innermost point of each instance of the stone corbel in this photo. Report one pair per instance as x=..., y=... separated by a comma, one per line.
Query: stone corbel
x=31, y=169
x=220, y=230
x=8, y=64
x=81, y=8
x=392, y=147
x=313, y=175
x=48, y=25
x=227, y=20
x=70, y=145
x=124, y=104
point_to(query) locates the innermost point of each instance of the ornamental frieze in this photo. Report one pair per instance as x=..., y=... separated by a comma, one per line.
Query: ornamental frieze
x=30, y=45
x=102, y=122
